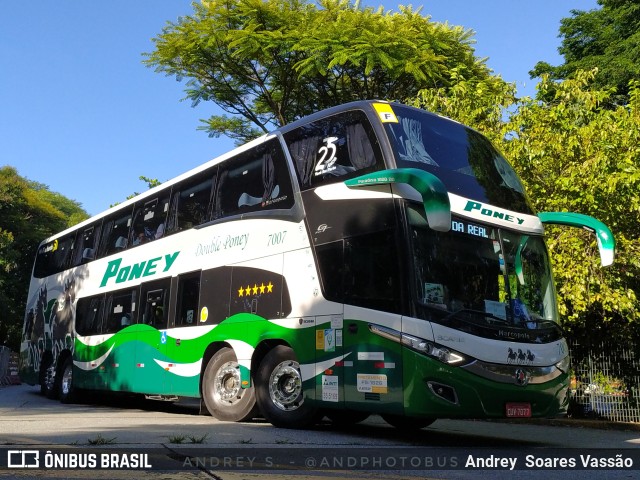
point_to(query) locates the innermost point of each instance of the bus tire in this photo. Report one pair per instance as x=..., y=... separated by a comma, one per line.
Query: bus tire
x=279, y=390
x=48, y=378
x=407, y=423
x=222, y=390
x=68, y=392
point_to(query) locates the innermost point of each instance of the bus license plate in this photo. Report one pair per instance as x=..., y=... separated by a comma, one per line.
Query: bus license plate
x=518, y=410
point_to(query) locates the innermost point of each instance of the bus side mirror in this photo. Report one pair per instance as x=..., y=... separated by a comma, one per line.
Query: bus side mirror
x=604, y=237
x=433, y=192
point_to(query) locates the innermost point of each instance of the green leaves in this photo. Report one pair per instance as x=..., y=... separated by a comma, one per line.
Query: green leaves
x=607, y=38
x=266, y=63
x=574, y=153
x=29, y=212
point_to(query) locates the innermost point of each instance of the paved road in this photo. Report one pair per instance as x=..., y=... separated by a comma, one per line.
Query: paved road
x=188, y=445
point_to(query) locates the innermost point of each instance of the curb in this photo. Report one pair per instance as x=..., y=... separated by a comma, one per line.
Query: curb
x=576, y=423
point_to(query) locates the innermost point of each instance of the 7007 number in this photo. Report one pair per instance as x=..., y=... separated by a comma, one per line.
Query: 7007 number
x=276, y=238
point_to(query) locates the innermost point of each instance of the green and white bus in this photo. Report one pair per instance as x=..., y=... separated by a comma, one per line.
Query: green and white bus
x=369, y=258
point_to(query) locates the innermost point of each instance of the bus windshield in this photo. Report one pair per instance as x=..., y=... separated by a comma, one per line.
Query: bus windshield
x=464, y=160
x=482, y=279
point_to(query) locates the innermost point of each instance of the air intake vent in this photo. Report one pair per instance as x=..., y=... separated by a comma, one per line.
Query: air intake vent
x=372, y=396
x=444, y=391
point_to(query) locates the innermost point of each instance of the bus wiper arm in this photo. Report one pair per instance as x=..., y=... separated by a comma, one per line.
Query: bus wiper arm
x=476, y=312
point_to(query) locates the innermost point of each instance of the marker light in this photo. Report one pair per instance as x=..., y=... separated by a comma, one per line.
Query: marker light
x=563, y=365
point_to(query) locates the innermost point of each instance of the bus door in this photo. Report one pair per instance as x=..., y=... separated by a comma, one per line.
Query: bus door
x=372, y=320
x=151, y=337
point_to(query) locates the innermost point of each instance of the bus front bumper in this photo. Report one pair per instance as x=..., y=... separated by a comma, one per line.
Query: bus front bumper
x=437, y=390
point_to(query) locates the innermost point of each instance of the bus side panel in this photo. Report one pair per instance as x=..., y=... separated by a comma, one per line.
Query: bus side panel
x=373, y=371
x=315, y=327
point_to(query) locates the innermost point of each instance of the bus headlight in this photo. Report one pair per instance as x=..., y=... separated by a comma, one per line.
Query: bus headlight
x=443, y=354
x=420, y=345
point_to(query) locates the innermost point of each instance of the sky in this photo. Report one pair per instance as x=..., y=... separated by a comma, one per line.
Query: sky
x=79, y=111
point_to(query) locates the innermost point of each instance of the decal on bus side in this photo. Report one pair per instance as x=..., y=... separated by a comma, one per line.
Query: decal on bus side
x=488, y=212
x=145, y=268
x=328, y=156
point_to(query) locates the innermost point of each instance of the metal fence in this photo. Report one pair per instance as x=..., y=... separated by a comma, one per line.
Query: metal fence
x=4, y=364
x=8, y=367
x=605, y=382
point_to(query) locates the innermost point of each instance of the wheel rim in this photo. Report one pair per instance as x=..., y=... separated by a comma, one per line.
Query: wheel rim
x=227, y=384
x=49, y=378
x=285, y=386
x=67, y=378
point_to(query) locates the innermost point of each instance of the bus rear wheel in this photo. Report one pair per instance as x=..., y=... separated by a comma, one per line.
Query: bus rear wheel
x=222, y=389
x=279, y=390
x=47, y=378
x=407, y=423
x=67, y=390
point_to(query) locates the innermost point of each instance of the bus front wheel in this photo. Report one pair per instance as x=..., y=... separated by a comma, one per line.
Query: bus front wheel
x=222, y=389
x=279, y=390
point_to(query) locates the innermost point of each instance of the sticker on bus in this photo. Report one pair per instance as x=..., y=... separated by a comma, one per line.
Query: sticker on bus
x=385, y=112
x=372, y=383
x=330, y=388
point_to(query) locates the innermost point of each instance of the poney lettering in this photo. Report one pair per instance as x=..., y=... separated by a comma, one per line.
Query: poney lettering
x=145, y=268
x=488, y=212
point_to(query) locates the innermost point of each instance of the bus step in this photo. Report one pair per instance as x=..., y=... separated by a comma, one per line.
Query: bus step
x=162, y=398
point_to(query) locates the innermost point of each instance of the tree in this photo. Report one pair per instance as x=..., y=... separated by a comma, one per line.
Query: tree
x=608, y=39
x=573, y=154
x=479, y=103
x=269, y=62
x=576, y=154
x=29, y=212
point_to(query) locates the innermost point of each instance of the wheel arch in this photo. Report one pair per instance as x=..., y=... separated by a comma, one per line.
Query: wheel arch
x=261, y=350
x=210, y=351
x=45, y=360
x=62, y=357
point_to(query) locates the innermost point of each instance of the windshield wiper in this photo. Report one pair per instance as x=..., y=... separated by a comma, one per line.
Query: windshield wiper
x=484, y=315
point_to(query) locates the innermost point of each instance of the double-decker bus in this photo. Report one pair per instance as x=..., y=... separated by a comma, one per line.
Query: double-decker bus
x=370, y=258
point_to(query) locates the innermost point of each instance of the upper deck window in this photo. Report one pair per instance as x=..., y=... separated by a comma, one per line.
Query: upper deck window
x=254, y=181
x=465, y=161
x=53, y=257
x=336, y=146
x=86, y=244
x=149, y=220
x=115, y=233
